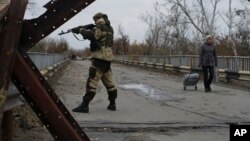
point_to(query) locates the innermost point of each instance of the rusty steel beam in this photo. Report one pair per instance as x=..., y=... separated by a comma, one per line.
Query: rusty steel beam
x=58, y=12
x=7, y=126
x=9, y=39
x=40, y=96
x=4, y=5
x=36, y=90
x=44, y=101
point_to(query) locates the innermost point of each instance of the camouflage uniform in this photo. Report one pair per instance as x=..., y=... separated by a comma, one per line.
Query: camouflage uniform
x=101, y=61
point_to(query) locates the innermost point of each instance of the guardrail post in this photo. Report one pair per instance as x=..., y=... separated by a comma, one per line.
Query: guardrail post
x=180, y=61
x=228, y=63
x=192, y=61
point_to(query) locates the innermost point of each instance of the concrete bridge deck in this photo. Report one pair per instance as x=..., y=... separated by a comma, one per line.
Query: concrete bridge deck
x=153, y=106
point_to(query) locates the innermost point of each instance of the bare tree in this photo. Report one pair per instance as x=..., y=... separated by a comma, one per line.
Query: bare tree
x=124, y=40
x=166, y=30
x=153, y=33
x=178, y=23
x=121, y=44
x=50, y=45
x=170, y=29
x=206, y=17
x=230, y=24
x=157, y=36
x=243, y=28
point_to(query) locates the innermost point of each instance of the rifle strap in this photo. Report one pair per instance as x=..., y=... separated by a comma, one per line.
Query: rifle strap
x=77, y=37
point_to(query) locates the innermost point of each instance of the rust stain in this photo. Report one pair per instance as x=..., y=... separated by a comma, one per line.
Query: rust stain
x=3, y=96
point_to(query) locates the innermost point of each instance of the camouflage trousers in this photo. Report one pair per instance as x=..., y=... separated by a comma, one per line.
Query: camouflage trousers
x=97, y=73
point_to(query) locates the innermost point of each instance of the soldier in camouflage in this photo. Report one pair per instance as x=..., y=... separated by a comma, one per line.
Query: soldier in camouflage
x=101, y=59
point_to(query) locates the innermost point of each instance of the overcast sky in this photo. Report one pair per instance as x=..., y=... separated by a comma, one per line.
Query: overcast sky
x=121, y=12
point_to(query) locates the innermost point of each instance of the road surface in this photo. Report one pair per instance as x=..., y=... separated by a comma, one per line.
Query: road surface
x=152, y=106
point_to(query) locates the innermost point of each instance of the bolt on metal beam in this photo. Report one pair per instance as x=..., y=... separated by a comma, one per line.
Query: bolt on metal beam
x=9, y=39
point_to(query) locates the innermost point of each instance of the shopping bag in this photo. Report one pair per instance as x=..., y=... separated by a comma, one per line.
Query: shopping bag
x=216, y=75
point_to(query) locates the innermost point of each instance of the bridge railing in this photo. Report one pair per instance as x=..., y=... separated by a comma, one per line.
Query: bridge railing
x=231, y=63
x=43, y=61
x=229, y=67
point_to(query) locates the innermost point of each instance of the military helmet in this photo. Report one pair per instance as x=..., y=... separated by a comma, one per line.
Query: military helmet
x=98, y=15
x=105, y=16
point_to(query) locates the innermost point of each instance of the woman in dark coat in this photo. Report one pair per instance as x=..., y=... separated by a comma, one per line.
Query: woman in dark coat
x=208, y=60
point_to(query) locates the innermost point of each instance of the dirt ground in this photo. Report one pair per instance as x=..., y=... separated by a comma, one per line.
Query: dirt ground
x=27, y=126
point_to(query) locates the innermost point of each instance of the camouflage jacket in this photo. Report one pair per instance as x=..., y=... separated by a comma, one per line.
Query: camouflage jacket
x=104, y=36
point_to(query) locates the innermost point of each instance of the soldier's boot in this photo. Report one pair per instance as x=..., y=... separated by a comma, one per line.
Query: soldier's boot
x=84, y=106
x=112, y=105
x=112, y=97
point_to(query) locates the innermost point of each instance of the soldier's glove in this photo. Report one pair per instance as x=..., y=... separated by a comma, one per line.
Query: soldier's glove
x=75, y=31
x=87, y=34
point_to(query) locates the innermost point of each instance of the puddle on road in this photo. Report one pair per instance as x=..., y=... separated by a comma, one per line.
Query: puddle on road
x=149, y=91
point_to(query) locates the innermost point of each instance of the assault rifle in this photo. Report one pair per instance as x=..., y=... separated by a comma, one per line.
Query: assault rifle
x=94, y=45
x=88, y=26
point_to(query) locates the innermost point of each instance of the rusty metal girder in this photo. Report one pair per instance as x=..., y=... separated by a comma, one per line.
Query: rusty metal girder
x=9, y=38
x=42, y=98
x=4, y=5
x=58, y=12
x=7, y=126
x=25, y=74
x=30, y=82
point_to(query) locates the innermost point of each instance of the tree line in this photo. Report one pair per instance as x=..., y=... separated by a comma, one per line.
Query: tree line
x=50, y=45
x=178, y=27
